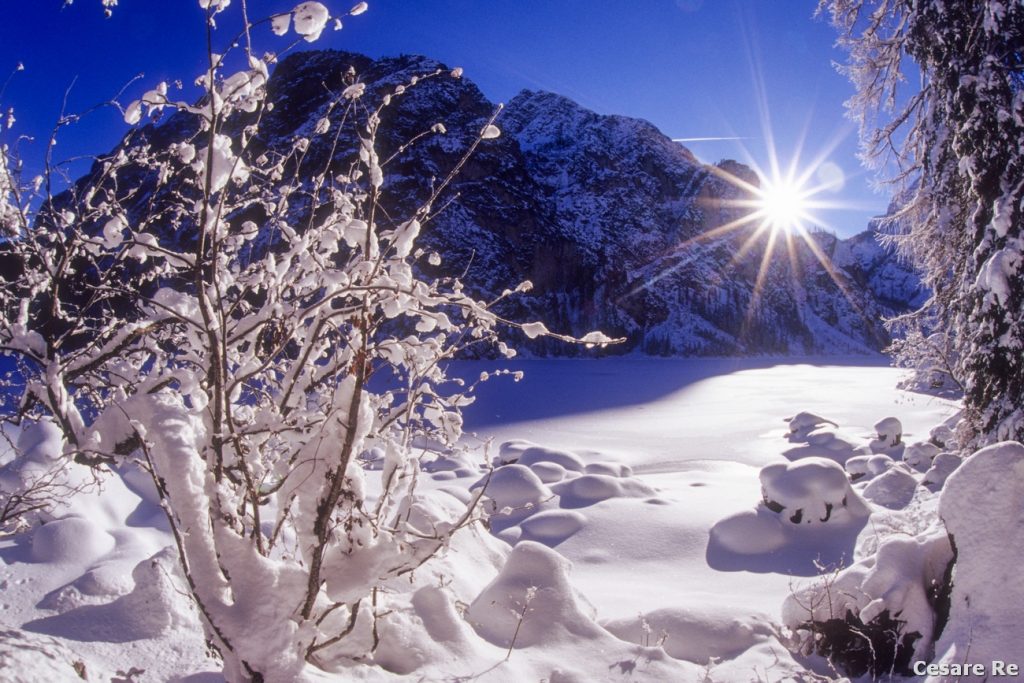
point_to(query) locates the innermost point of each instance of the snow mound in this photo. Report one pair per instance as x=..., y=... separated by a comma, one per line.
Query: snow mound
x=752, y=532
x=514, y=486
x=810, y=491
x=593, y=488
x=694, y=634
x=510, y=451
x=429, y=631
x=74, y=490
x=31, y=658
x=450, y=465
x=533, y=595
x=920, y=455
x=611, y=469
x=537, y=454
x=803, y=423
x=981, y=507
x=41, y=442
x=157, y=604
x=943, y=465
x=867, y=467
x=70, y=540
x=819, y=437
x=551, y=527
x=893, y=489
x=549, y=472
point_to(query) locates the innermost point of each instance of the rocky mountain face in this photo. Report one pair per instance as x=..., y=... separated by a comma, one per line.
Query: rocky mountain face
x=613, y=222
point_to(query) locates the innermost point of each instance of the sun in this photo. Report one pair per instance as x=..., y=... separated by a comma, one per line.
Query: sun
x=783, y=205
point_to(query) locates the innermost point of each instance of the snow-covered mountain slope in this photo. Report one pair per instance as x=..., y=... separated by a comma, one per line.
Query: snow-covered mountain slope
x=612, y=221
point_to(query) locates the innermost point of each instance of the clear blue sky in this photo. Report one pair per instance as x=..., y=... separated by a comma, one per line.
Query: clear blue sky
x=694, y=68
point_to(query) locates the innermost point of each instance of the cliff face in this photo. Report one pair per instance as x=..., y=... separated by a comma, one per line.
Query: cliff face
x=612, y=221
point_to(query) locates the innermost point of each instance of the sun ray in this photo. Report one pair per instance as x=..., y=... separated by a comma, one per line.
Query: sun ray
x=758, y=290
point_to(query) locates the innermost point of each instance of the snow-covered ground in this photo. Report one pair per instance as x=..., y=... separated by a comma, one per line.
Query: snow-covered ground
x=645, y=474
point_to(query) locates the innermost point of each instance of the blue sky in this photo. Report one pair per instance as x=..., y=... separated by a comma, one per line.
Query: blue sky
x=759, y=70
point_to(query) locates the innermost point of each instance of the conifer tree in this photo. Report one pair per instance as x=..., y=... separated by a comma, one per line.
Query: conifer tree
x=940, y=100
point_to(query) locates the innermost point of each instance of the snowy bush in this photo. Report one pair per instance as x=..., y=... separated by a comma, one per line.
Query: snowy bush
x=878, y=614
x=222, y=331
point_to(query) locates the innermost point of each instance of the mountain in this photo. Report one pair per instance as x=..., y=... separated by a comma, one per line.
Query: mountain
x=612, y=221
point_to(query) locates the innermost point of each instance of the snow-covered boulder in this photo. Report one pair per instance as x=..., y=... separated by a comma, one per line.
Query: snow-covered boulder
x=943, y=465
x=943, y=437
x=157, y=603
x=803, y=423
x=981, y=507
x=888, y=436
x=893, y=489
x=810, y=491
x=920, y=455
x=867, y=467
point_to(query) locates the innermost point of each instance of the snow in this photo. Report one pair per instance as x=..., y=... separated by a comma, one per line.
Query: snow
x=920, y=455
x=310, y=18
x=810, y=491
x=981, y=507
x=894, y=488
x=890, y=434
x=942, y=466
x=629, y=537
x=994, y=275
x=867, y=467
x=70, y=539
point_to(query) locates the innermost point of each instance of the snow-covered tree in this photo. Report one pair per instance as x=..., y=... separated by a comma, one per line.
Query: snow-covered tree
x=214, y=310
x=952, y=142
